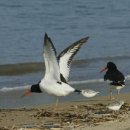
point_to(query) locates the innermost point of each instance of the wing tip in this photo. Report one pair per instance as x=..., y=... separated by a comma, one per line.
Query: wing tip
x=45, y=36
x=83, y=40
x=47, y=39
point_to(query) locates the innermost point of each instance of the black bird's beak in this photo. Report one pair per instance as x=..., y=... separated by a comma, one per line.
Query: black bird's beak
x=104, y=69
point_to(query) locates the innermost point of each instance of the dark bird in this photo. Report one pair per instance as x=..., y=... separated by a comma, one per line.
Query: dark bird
x=114, y=75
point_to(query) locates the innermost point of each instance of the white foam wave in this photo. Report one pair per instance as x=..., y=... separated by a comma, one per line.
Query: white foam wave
x=18, y=88
x=127, y=77
x=87, y=81
x=8, y=89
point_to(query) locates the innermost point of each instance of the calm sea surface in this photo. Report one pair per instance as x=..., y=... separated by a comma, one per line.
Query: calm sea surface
x=23, y=24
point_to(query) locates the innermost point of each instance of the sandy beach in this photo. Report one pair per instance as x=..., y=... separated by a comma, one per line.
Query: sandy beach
x=89, y=114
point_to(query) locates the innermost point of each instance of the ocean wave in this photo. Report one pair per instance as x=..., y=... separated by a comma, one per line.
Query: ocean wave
x=26, y=68
x=20, y=68
x=87, y=81
x=94, y=80
x=9, y=89
x=18, y=88
x=127, y=77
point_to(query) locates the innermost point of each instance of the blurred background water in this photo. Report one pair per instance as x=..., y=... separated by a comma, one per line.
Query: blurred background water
x=22, y=28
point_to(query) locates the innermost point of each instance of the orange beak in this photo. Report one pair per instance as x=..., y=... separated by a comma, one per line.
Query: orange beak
x=104, y=69
x=26, y=93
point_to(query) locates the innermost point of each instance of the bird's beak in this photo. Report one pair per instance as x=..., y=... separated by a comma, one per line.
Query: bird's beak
x=104, y=69
x=26, y=93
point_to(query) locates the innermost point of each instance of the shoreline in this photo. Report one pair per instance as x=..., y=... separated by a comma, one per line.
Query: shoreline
x=91, y=114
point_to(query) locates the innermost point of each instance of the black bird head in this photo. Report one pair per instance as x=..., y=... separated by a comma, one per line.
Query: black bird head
x=110, y=66
x=33, y=89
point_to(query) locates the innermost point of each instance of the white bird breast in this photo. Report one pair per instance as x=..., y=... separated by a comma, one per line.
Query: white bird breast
x=56, y=89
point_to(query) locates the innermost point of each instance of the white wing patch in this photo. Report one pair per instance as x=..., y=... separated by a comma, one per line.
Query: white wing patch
x=66, y=56
x=51, y=63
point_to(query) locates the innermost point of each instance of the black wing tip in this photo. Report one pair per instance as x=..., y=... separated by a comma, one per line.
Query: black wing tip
x=47, y=40
x=83, y=40
x=78, y=43
x=46, y=36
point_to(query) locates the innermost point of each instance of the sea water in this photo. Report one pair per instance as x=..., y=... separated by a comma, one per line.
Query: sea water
x=22, y=28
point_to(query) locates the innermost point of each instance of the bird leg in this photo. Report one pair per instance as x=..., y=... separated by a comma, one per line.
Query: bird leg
x=110, y=94
x=118, y=92
x=57, y=101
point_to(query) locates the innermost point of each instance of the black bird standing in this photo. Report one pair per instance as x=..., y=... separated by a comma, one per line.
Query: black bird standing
x=114, y=75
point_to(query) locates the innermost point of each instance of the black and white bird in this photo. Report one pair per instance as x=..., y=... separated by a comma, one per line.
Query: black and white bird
x=114, y=75
x=55, y=81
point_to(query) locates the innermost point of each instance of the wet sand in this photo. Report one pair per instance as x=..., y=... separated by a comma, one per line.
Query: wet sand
x=89, y=114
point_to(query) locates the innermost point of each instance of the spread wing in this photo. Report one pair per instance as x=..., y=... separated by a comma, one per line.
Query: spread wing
x=51, y=63
x=66, y=56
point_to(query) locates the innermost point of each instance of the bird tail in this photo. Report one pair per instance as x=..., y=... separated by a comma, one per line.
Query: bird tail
x=77, y=91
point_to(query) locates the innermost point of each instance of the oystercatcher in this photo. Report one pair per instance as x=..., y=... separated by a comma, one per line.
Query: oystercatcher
x=114, y=75
x=55, y=81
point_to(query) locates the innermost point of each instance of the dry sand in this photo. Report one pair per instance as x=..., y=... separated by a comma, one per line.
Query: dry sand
x=89, y=114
